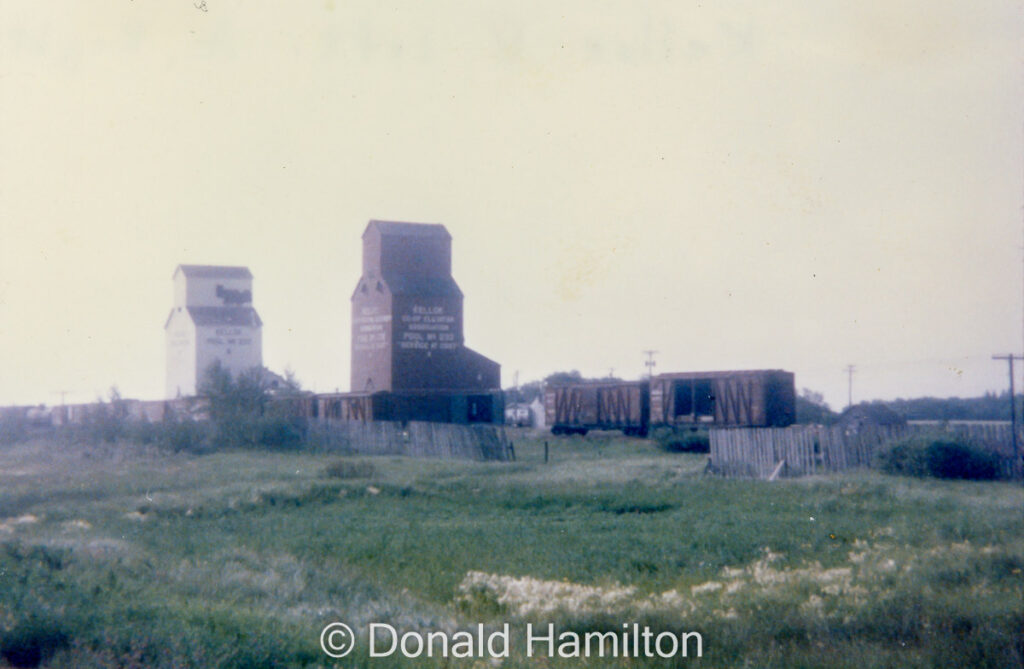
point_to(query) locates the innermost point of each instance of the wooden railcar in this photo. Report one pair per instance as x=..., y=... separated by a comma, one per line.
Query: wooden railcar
x=341, y=406
x=752, y=398
x=579, y=408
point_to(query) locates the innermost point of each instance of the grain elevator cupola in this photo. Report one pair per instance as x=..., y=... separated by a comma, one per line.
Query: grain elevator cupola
x=407, y=315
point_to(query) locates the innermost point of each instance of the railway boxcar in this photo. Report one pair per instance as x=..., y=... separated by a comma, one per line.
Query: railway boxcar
x=578, y=408
x=342, y=406
x=753, y=398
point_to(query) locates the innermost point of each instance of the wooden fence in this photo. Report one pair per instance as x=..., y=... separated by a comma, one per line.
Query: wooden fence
x=815, y=449
x=416, y=439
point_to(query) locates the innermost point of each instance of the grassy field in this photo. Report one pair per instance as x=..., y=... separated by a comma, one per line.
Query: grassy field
x=121, y=556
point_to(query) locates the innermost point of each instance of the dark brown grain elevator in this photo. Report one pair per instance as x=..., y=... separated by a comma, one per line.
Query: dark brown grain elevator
x=407, y=316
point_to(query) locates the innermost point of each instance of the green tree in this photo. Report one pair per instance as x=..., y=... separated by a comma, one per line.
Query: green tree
x=106, y=421
x=563, y=378
x=234, y=405
x=811, y=408
x=243, y=412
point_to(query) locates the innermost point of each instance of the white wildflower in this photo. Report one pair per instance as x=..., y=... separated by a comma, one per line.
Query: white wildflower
x=710, y=586
x=530, y=595
x=814, y=606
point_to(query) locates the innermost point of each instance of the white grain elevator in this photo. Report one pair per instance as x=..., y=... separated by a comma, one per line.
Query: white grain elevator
x=212, y=319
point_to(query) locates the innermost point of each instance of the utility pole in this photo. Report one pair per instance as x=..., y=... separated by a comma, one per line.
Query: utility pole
x=650, y=363
x=850, y=369
x=63, y=409
x=1009, y=358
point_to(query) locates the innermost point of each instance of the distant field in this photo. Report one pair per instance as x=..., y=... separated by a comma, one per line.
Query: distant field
x=126, y=557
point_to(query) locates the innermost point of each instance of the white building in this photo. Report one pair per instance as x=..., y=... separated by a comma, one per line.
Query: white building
x=537, y=415
x=517, y=415
x=212, y=319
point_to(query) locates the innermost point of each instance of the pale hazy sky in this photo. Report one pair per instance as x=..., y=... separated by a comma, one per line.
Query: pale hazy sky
x=796, y=185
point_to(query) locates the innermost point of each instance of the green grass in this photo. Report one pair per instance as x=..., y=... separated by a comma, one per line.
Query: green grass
x=124, y=556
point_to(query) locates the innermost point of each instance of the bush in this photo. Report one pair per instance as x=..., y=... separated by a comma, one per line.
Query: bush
x=106, y=421
x=143, y=431
x=186, y=435
x=941, y=458
x=694, y=441
x=241, y=413
x=32, y=641
x=951, y=460
x=905, y=457
x=280, y=433
x=13, y=427
x=182, y=435
x=346, y=469
x=234, y=405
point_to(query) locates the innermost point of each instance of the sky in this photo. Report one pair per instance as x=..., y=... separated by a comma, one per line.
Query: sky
x=744, y=185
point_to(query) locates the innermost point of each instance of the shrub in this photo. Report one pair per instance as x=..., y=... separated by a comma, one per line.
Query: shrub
x=32, y=641
x=952, y=460
x=695, y=441
x=905, y=457
x=143, y=431
x=104, y=422
x=13, y=427
x=279, y=433
x=941, y=458
x=234, y=405
x=182, y=435
x=241, y=412
x=346, y=469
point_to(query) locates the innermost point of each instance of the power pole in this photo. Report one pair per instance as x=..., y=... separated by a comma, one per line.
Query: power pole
x=850, y=369
x=63, y=408
x=650, y=363
x=1009, y=358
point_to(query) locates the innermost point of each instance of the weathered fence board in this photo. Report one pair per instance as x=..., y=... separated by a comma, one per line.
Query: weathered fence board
x=815, y=449
x=416, y=439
